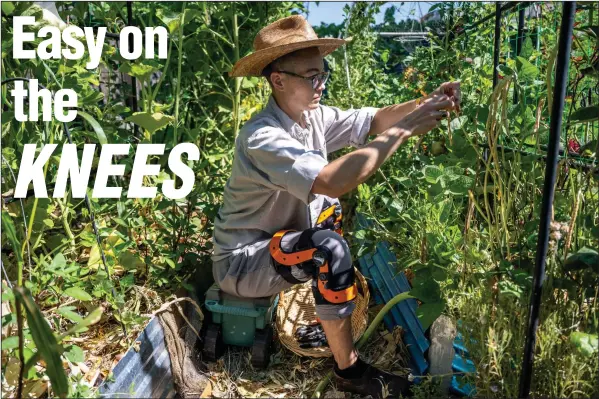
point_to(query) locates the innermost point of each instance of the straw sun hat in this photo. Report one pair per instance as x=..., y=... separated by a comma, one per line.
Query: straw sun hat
x=279, y=38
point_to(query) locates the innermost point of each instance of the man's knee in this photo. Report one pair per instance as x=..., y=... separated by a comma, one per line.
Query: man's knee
x=336, y=244
x=325, y=256
x=335, y=311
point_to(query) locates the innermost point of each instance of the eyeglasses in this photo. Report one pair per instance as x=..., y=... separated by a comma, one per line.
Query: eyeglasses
x=317, y=80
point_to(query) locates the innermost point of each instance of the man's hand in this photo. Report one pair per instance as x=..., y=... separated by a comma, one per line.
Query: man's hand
x=427, y=115
x=452, y=90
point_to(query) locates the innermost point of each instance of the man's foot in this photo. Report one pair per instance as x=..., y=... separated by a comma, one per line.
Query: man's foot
x=364, y=379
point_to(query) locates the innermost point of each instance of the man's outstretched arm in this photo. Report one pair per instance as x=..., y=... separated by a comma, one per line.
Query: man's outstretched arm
x=389, y=116
x=347, y=172
x=392, y=114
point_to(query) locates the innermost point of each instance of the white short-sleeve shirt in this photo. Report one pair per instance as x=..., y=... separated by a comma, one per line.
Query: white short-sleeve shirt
x=274, y=167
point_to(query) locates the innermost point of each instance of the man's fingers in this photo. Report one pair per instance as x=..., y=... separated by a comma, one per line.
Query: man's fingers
x=447, y=103
x=433, y=102
x=441, y=115
x=452, y=85
x=452, y=89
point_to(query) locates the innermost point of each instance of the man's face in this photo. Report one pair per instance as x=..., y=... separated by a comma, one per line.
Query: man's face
x=296, y=91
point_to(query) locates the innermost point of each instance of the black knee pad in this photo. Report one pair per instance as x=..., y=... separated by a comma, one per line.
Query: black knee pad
x=333, y=287
x=328, y=286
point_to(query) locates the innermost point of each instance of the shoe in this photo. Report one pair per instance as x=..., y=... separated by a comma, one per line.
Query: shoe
x=376, y=383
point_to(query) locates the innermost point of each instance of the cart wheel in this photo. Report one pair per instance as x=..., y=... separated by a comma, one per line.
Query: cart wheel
x=262, y=347
x=213, y=343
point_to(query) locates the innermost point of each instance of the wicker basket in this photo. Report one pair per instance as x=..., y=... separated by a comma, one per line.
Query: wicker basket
x=296, y=308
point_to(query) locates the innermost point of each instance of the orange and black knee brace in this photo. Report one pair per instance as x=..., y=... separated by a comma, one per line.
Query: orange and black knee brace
x=329, y=286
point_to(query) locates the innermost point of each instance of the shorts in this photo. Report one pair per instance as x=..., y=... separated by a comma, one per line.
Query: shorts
x=251, y=273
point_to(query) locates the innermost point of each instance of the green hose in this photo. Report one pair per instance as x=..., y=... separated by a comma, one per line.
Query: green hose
x=373, y=326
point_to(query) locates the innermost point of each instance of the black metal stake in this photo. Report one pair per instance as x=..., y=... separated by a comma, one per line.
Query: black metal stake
x=519, y=41
x=559, y=95
x=497, y=38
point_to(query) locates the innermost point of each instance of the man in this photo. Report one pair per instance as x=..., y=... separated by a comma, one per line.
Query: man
x=270, y=232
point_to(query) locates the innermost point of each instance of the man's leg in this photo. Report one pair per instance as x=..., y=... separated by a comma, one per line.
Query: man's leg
x=351, y=373
x=253, y=274
x=339, y=337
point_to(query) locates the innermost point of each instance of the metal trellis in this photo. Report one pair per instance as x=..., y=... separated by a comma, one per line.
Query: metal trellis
x=559, y=95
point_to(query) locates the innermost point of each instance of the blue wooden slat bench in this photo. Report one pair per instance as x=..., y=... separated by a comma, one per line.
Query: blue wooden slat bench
x=379, y=268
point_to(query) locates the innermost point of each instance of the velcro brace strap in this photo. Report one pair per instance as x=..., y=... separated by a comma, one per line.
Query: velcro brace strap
x=336, y=294
x=288, y=258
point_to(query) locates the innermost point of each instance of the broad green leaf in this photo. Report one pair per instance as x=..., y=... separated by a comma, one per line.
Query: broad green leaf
x=458, y=122
x=170, y=262
x=59, y=262
x=92, y=318
x=527, y=48
x=425, y=288
x=191, y=14
x=34, y=11
x=385, y=56
x=508, y=287
x=587, y=114
x=586, y=343
x=364, y=192
x=526, y=70
x=360, y=234
x=127, y=281
x=8, y=7
x=139, y=70
x=7, y=116
x=91, y=99
x=460, y=185
x=74, y=354
x=55, y=240
x=131, y=261
x=67, y=311
x=171, y=19
x=9, y=319
x=395, y=204
x=439, y=273
x=46, y=343
x=7, y=294
x=10, y=343
x=78, y=293
x=94, y=256
x=120, y=222
x=585, y=258
x=108, y=243
x=150, y=122
x=249, y=83
x=427, y=313
x=505, y=71
x=432, y=173
x=95, y=125
x=454, y=171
